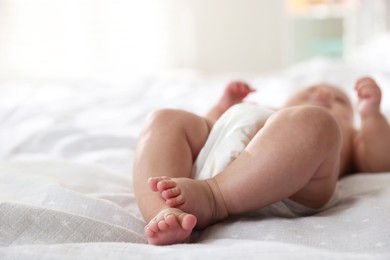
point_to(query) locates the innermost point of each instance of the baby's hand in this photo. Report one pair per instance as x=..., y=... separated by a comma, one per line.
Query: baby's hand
x=369, y=96
x=238, y=90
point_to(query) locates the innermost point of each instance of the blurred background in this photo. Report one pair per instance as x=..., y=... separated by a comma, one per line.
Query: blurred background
x=122, y=39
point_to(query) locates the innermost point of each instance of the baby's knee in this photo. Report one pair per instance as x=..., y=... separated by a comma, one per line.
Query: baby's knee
x=322, y=122
x=315, y=123
x=176, y=119
x=163, y=117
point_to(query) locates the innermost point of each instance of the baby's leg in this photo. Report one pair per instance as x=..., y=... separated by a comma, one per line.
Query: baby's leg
x=167, y=146
x=295, y=155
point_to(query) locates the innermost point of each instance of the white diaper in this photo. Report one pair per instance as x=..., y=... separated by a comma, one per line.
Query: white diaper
x=228, y=138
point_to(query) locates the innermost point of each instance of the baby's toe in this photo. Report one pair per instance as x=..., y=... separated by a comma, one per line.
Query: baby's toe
x=175, y=202
x=172, y=221
x=166, y=184
x=188, y=222
x=154, y=181
x=151, y=228
x=170, y=193
x=162, y=225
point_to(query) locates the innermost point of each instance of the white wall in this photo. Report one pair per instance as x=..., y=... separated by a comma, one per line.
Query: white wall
x=219, y=36
x=372, y=18
x=124, y=38
x=82, y=39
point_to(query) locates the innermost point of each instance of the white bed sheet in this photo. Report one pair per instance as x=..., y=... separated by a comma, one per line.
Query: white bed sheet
x=66, y=187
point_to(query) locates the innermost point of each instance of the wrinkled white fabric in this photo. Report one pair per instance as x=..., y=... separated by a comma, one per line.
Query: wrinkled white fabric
x=228, y=138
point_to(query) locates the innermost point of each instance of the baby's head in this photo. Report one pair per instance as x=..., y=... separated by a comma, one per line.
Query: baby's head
x=328, y=97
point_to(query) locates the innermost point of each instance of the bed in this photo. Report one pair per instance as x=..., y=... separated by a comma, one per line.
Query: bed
x=67, y=149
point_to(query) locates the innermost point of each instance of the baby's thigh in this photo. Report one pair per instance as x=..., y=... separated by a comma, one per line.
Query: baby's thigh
x=321, y=186
x=318, y=191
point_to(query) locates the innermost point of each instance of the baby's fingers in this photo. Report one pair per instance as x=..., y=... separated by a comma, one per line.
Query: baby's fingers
x=367, y=88
x=364, y=91
x=242, y=89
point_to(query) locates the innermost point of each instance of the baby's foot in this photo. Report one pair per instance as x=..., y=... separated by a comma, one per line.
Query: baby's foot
x=201, y=198
x=234, y=93
x=170, y=226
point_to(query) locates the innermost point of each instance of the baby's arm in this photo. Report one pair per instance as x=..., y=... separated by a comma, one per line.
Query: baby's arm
x=234, y=93
x=372, y=142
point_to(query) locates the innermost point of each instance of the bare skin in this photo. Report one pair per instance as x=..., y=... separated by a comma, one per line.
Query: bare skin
x=175, y=204
x=234, y=93
x=372, y=142
x=167, y=225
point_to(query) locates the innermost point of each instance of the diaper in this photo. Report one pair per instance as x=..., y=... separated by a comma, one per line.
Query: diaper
x=229, y=136
x=290, y=209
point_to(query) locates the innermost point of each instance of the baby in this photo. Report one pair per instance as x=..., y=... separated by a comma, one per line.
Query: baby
x=298, y=154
